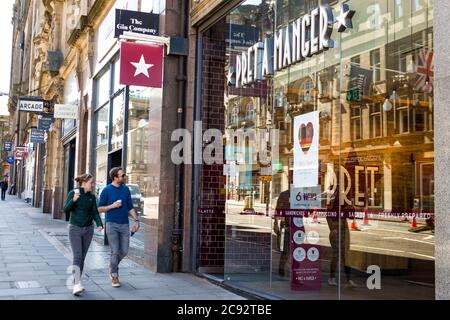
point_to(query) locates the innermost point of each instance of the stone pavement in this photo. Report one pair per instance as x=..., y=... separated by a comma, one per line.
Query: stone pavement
x=35, y=256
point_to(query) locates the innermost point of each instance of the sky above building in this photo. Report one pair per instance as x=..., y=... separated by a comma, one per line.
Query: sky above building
x=5, y=52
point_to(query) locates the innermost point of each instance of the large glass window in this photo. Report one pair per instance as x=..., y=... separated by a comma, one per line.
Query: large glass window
x=346, y=189
x=101, y=151
x=117, y=122
x=138, y=145
x=103, y=88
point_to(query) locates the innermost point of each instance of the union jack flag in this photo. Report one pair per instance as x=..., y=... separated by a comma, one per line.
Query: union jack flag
x=425, y=71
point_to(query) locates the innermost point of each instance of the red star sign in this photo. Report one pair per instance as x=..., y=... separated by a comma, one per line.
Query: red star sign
x=141, y=65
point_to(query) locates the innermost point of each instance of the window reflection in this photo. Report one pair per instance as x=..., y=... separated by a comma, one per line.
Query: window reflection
x=101, y=151
x=372, y=97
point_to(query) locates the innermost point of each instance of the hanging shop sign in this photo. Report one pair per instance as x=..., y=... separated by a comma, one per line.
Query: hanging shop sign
x=359, y=84
x=66, y=111
x=31, y=104
x=303, y=38
x=44, y=123
x=20, y=153
x=141, y=65
x=37, y=136
x=7, y=146
x=137, y=22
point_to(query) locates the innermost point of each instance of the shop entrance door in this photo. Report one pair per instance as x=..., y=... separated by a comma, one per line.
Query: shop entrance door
x=114, y=160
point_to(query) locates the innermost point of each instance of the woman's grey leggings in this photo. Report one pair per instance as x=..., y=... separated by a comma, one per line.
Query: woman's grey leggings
x=80, y=240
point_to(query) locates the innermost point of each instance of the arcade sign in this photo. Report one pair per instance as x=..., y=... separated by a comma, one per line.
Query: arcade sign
x=31, y=104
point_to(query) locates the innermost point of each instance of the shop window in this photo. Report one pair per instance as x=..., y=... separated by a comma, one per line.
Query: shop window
x=117, y=85
x=375, y=63
x=103, y=88
x=403, y=118
x=234, y=121
x=356, y=124
x=381, y=175
x=403, y=58
x=375, y=120
x=419, y=120
x=356, y=60
x=101, y=150
x=118, y=122
x=417, y=5
x=250, y=112
x=325, y=126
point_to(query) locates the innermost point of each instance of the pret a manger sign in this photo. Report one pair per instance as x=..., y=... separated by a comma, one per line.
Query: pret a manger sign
x=303, y=38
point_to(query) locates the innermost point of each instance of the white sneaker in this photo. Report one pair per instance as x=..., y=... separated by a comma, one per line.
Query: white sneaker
x=332, y=282
x=77, y=289
x=351, y=284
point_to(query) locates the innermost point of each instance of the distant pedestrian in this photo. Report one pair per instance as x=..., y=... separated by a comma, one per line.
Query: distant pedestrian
x=4, y=187
x=82, y=205
x=116, y=201
x=12, y=190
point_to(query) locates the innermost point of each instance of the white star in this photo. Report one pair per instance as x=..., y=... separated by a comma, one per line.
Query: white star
x=231, y=77
x=142, y=67
x=344, y=20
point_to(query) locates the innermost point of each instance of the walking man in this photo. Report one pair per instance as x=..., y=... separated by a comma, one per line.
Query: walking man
x=116, y=201
x=4, y=187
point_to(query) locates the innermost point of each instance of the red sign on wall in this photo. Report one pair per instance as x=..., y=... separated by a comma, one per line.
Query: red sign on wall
x=20, y=153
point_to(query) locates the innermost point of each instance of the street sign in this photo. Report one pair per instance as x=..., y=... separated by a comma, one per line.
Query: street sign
x=20, y=153
x=265, y=178
x=7, y=146
x=37, y=136
x=10, y=159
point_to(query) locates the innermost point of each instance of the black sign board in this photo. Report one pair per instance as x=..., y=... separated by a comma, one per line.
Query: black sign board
x=7, y=146
x=137, y=22
x=360, y=82
x=37, y=136
x=45, y=123
x=241, y=36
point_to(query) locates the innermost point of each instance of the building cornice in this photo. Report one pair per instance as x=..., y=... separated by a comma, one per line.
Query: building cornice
x=205, y=12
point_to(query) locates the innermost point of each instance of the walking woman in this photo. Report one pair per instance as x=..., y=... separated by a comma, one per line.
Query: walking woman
x=81, y=204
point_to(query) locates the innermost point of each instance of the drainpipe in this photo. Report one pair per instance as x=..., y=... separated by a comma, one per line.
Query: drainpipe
x=177, y=235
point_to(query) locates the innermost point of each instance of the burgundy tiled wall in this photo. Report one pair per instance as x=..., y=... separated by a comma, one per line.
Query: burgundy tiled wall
x=212, y=225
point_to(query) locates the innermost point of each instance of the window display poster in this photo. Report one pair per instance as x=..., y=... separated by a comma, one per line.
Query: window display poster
x=306, y=150
x=306, y=198
x=305, y=256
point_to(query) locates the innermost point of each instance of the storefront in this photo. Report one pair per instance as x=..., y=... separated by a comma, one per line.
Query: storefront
x=326, y=187
x=69, y=132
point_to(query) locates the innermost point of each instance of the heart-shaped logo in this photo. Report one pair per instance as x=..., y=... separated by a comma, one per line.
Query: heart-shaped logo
x=305, y=136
